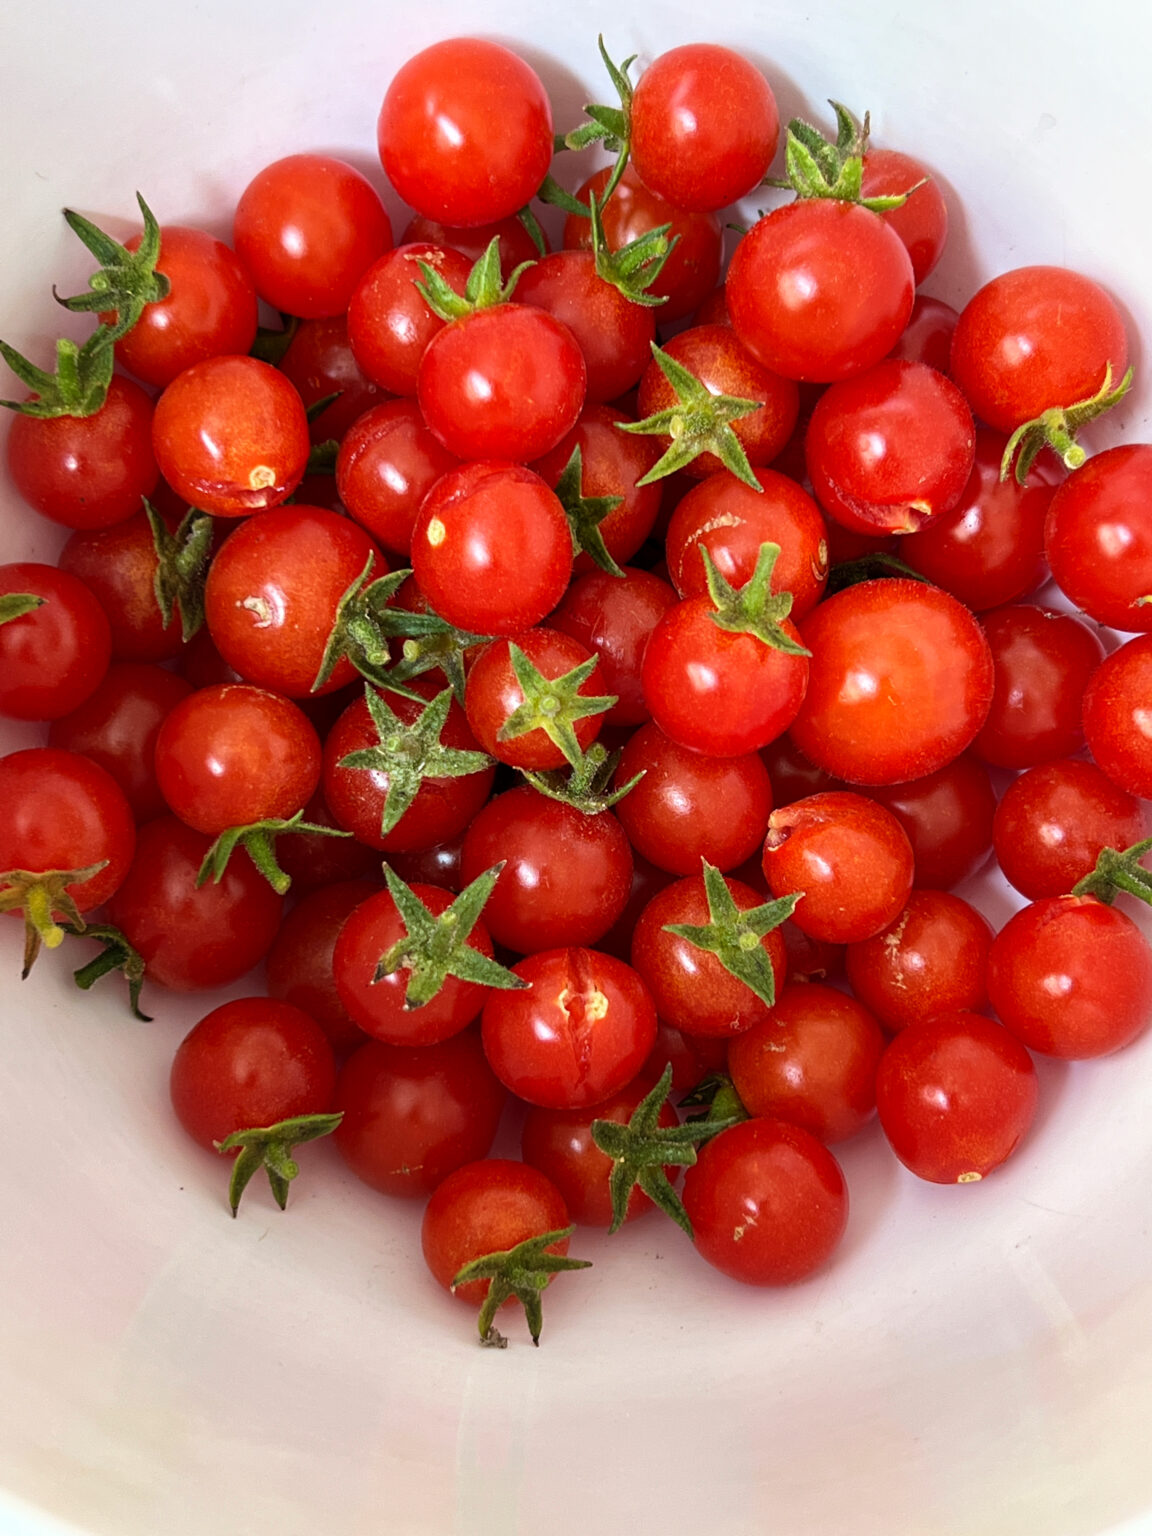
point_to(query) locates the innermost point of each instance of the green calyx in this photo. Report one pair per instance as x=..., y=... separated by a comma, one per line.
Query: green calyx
x=434, y=948
x=117, y=954
x=127, y=281
x=259, y=839
x=358, y=631
x=522, y=1272
x=430, y=644
x=586, y=785
x=586, y=513
x=643, y=1149
x=270, y=1147
x=271, y=344
x=484, y=289
x=734, y=937
x=181, y=566
x=722, y=1105
x=699, y=422
x=874, y=567
x=409, y=754
x=753, y=609
x=1057, y=428
x=79, y=386
x=552, y=704
x=634, y=267
x=1118, y=870
x=607, y=125
x=821, y=167
x=14, y=605
x=39, y=894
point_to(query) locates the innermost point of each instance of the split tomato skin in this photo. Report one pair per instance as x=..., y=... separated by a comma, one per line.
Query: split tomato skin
x=767, y=1201
x=956, y=1095
x=900, y=682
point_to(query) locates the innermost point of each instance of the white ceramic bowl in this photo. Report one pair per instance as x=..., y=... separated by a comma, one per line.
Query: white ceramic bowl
x=976, y=1362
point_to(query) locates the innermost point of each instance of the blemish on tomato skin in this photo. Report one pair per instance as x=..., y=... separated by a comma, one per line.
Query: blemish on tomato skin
x=261, y=476
x=969, y=1178
x=436, y=532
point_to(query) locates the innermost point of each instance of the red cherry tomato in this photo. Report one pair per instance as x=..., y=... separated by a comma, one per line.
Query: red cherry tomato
x=53, y=657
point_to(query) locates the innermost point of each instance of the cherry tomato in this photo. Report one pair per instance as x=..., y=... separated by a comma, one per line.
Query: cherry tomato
x=493, y=694
x=929, y=960
x=1116, y=716
x=613, y=616
x=767, y=1201
x=119, y=565
x=298, y=967
x=388, y=462
x=320, y=362
x=922, y=221
x=389, y=321
x=54, y=656
x=1098, y=537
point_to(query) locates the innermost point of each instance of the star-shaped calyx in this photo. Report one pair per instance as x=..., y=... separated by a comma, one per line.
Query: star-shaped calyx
x=586, y=513
x=643, y=1149
x=698, y=422
x=259, y=838
x=39, y=895
x=409, y=754
x=117, y=954
x=587, y=785
x=127, y=281
x=552, y=704
x=434, y=948
x=522, y=1272
x=753, y=609
x=1118, y=870
x=734, y=936
x=181, y=566
x=270, y=1147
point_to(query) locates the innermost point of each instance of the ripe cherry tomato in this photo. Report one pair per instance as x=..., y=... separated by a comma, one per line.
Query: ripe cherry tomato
x=613, y=616
x=53, y=657
x=1098, y=537
x=119, y=565
x=493, y=694
x=298, y=967
x=251, y=1062
x=767, y=1201
x=436, y=138
x=1116, y=716
x=922, y=221
x=388, y=461
x=930, y=960
x=704, y=126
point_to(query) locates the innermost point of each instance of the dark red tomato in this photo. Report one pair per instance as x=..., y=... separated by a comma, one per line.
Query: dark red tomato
x=689, y=807
x=566, y=875
x=443, y=806
x=435, y=131
x=704, y=126
x=1043, y=660
x=272, y=594
x=900, y=681
x=233, y=754
x=493, y=693
x=581, y=1029
x=792, y=775
x=1071, y=977
x=891, y=448
x=948, y=818
x=717, y=691
x=1036, y=338
x=311, y=860
x=693, y=266
x=414, y=1114
x=488, y=1207
x=930, y=960
x=253, y=1061
x=86, y=471
x=848, y=858
x=810, y=959
x=437, y=865
x=389, y=321
x=714, y=355
x=1053, y=821
x=811, y=1062
x=767, y=1201
x=307, y=228
x=192, y=937
x=691, y=989
x=118, y=565
x=387, y=464
x=1098, y=537
x=989, y=548
x=210, y=308
x=956, y=1095
x=611, y=462
x=299, y=964
x=63, y=812
x=320, y=362
x=1116, y=716
x=377, y=1004
x=516, y=244
x=820, y=290
x=231, y=436
x=927, y=338
x=921, y=222
x=491, y=548
x=117, y=726
x=614, y=333
x=502, y=383
x=613, y=616
x=53, y=657
x=691, y=1057
x=559, y=1143
x=731, y=521
x=646, y=881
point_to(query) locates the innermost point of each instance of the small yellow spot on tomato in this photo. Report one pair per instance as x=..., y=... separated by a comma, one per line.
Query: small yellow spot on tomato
x=437, y=533
x=261, y=477
x=969, y=1178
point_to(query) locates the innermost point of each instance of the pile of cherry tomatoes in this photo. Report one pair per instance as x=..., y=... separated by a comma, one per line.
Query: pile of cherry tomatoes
x=584, y=675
